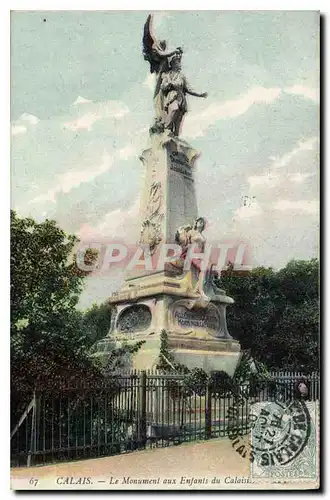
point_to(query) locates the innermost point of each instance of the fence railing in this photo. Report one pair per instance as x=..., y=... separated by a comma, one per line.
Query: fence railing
x=131, y=412
x=290, y=379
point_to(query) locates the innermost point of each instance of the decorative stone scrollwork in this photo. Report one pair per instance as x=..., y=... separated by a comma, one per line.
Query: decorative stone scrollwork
x=151, y=225
x=135, y=318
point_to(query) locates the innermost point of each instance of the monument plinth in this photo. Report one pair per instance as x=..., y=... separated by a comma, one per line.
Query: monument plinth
x=187, y=303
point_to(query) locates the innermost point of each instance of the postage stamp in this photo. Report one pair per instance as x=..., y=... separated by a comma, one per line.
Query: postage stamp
x=280, y=440
x=283, y=438
x=164, y=249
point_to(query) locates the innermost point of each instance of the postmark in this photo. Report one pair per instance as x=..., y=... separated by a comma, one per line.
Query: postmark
x=278, y=437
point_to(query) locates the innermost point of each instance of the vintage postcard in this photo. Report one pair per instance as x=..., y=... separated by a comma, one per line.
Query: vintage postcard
x=165, y=250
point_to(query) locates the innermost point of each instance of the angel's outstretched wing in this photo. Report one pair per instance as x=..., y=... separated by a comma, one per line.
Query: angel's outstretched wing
x=148, y=42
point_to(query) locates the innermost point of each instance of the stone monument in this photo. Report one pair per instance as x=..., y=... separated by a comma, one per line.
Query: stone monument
x=186, y=303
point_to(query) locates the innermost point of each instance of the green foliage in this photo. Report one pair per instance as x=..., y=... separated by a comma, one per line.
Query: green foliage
x=221, y=383
x=118, y=359
x=48, y=340
x=108, y=356
x=276, y=314
x=245, y=366
x=250, y=378
x=44, y=275
x=96, y=321
x=166, y=362
x=165, y=356
x=252, y=373
x=195, y=381
x=51, y=339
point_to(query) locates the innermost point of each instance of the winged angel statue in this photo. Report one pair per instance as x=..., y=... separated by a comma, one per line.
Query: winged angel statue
x=171, y=85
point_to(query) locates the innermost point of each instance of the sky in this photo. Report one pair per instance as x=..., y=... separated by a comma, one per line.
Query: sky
x=81, y=107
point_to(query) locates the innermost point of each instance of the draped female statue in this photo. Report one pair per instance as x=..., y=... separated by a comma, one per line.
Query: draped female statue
x=171, y=85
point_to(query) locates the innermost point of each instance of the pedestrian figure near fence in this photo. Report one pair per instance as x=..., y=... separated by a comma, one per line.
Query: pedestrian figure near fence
x=301, y=389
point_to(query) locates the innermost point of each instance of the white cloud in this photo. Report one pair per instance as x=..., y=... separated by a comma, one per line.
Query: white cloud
x=299, y=177
x=307, y=206
x=273, y=178
x=307, y=92
x=118, y=223
x=278, y=172
x=270, y=213
x=80, y=100
x=150, y=81
x=18, y=129
x=84, y=122
x=73, y=178
x=50, y=195
x=21, y=128
x=248, y=211
x=33, y=120
x=98, y=111
x=196, y=124
x=265, y=180
x=127, y=152
x=307, y=145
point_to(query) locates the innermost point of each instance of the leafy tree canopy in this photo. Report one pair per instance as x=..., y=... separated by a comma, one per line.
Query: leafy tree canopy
x=276, y=314
x=47, y=333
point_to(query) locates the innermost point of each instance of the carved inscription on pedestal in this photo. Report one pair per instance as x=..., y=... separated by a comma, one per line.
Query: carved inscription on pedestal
x=180, y=163
x=199, y=318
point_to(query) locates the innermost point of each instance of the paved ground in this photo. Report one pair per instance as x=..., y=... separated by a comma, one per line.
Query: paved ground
x=213, y=465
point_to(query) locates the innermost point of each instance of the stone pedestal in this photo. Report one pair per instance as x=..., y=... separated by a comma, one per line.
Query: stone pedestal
x=151, y=301
x=169, y=197
x=197, y=336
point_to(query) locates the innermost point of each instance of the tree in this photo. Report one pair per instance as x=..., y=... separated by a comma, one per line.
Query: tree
x=275, y=314
x=97, y=322
x=47, y=338
x=295, y=338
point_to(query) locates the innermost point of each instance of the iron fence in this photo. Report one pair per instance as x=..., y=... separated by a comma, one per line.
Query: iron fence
x=290, y=379
x=131, y=412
